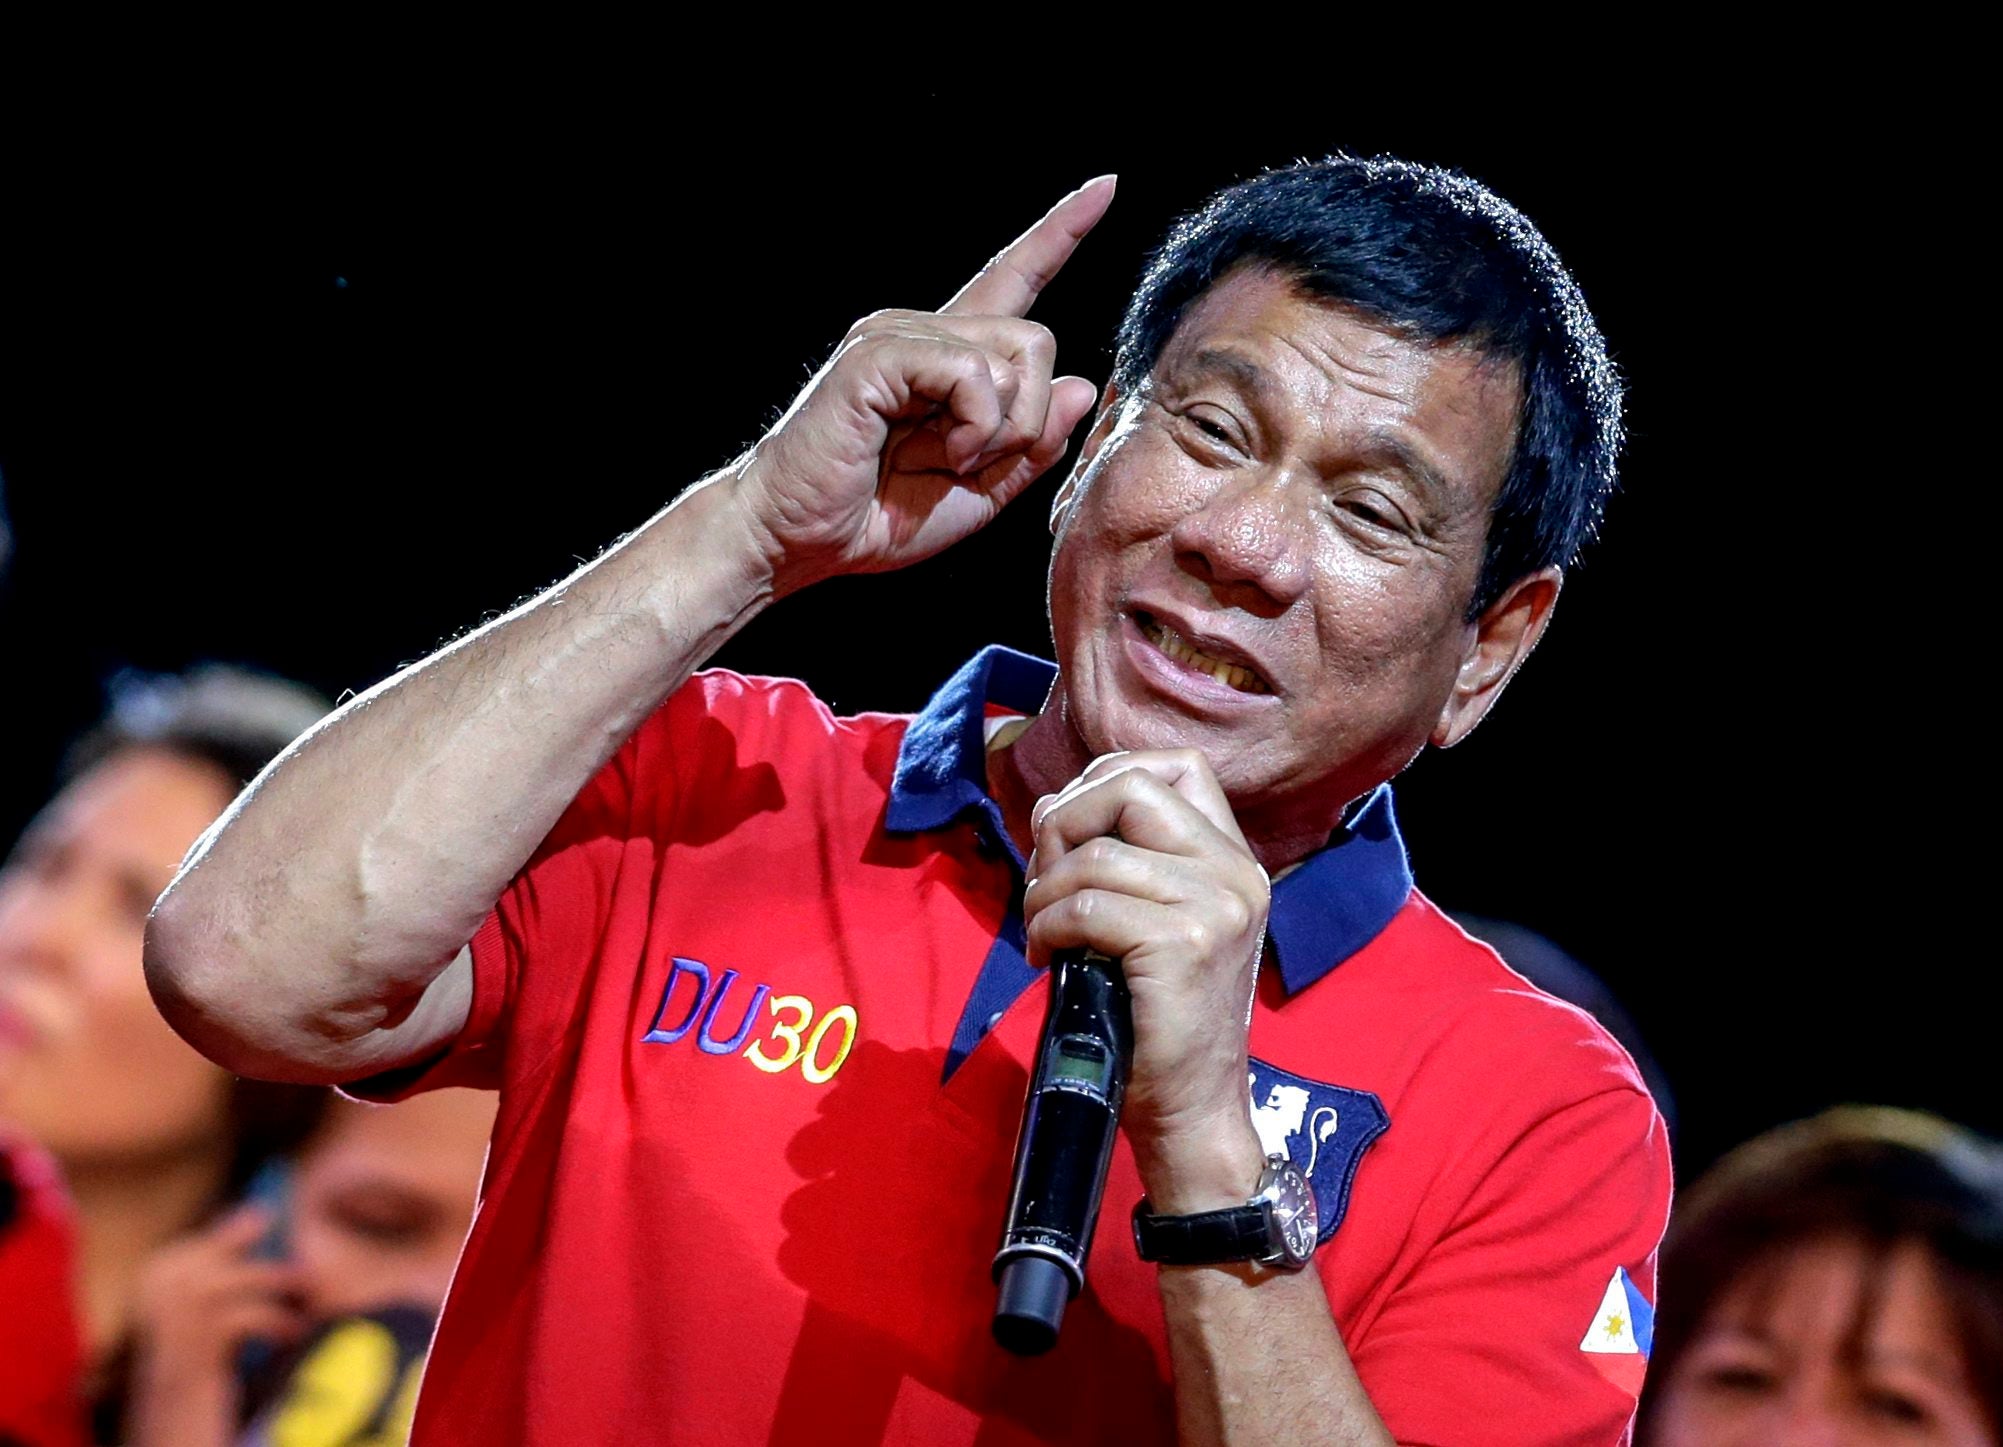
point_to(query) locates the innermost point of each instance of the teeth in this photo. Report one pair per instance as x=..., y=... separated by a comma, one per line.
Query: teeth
x=1171, y=642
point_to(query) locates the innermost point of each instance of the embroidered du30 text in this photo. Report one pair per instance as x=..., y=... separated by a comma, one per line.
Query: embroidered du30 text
x=787, y=1031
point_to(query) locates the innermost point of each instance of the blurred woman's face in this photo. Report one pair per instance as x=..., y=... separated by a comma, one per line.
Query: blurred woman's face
x=383, y=1200
x=1839, y=1346
x=87, y=1066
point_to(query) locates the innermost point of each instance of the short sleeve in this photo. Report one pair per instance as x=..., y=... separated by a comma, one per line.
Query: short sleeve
x=533, y=949
x=1529, y=1319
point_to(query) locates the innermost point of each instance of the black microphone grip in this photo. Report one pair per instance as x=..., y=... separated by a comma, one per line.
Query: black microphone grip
x=1069, y=1119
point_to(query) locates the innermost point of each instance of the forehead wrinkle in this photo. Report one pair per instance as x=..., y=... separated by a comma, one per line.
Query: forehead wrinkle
x=1341, y=370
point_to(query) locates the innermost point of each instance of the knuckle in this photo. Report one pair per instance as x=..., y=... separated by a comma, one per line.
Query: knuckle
x=1012, y=435
x=1198, y=938
x=1032, y=338
x=972, y=362
x=873, y=323
x=1036, y=278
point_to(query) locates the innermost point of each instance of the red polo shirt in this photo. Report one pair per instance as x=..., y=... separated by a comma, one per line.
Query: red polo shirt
x=757, y=1013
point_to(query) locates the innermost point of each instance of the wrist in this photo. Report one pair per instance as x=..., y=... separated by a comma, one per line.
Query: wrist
x=766, y=560
x=1200, y=1166
x=726, y=531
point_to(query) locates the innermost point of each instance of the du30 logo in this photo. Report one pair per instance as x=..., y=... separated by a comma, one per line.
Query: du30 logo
x=818, y=1047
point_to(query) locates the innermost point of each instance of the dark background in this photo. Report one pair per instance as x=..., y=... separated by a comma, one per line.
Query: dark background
x=320, y=397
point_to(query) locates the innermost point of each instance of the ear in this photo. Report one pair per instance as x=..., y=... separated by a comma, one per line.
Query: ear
x=1102, y=428
x=1497, y=643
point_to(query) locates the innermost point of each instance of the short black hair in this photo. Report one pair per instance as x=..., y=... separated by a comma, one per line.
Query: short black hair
x=236, y=719
x=1433, y=255
x=1874, y=1175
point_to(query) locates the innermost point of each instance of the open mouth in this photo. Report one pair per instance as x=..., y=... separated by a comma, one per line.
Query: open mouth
x=1181, y=651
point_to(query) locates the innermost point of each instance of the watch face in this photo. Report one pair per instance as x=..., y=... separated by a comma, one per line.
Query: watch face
x=1295, y=1214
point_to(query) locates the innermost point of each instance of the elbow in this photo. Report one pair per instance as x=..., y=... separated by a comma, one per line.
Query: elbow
x=187, y=972
x=237, y=998
x=203, y=986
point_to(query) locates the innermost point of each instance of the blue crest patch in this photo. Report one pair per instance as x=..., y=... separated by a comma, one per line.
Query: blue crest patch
x=1323, y=1129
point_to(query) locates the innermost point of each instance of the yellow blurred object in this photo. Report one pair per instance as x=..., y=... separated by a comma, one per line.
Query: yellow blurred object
x=346, y=1386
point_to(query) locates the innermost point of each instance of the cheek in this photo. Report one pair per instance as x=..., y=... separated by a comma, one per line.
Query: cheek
x=110, y=1077
x=339, y=1270
x=1126, y=505
x=120, y=1083
x=1393, y=625
x=1682, y=1422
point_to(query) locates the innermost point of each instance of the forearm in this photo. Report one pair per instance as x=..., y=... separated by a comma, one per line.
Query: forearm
x=312, y=918
x=1254, y=1350
x=1257, y=1359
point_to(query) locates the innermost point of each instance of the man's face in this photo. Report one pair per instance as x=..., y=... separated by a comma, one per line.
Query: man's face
x=1299, y=495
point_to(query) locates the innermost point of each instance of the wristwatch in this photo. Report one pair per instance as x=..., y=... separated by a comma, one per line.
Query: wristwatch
x=1279, y=1227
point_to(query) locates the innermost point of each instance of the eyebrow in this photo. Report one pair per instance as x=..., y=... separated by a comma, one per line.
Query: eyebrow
x=1394, y=449
x=1235, y=366
x=1380, y=447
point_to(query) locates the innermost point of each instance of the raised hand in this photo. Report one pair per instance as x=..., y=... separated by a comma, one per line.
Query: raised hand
x=199, y=1300
x=922, y=426
x=1141, y=859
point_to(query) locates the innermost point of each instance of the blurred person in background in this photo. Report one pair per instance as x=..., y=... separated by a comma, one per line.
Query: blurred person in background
x=40, y=1346
x=350, y=1277
x=152, y=1138
x=1837, y=1280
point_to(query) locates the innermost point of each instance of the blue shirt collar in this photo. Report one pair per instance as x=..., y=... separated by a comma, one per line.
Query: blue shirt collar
x=1333, y=904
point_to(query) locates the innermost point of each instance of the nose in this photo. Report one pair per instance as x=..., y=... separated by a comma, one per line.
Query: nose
x=1809, y=1418
x=1250, y=541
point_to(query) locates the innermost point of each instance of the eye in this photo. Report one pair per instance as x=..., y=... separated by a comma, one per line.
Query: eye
x=1738, y=1378
x=1373, y=510
x=1895, y=1406
x=1214, y=425
x=387, y=1221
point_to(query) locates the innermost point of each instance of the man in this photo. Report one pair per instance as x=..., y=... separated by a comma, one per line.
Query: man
x=1358, y=421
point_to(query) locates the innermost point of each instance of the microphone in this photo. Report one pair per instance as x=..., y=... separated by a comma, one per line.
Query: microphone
x=1069, y=1118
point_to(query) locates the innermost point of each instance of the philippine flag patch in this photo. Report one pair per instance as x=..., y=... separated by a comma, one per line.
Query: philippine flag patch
x=1618, y=1341
x=1323, y=1129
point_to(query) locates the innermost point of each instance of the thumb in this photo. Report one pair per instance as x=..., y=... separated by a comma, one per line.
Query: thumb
x=1071, y=401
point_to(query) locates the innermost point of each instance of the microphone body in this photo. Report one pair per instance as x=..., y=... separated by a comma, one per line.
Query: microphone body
x=1069, y=1119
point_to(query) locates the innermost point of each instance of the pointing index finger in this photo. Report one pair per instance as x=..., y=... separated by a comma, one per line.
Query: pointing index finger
x=1008, y=285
